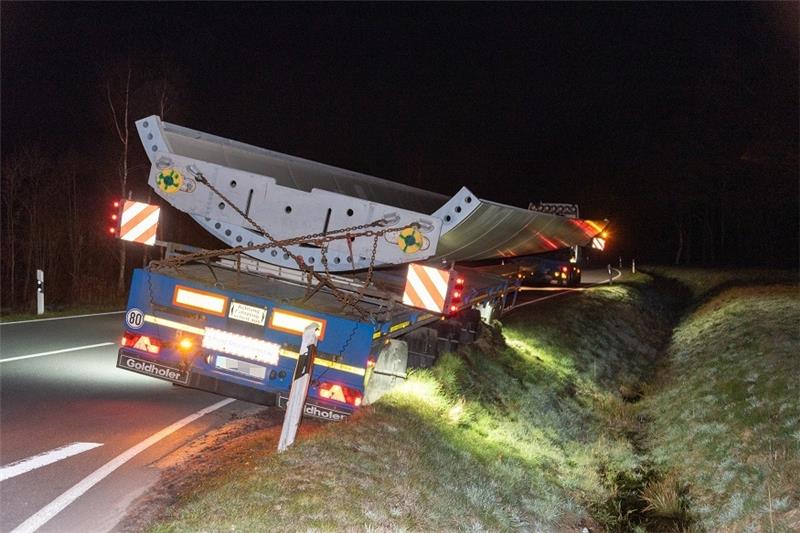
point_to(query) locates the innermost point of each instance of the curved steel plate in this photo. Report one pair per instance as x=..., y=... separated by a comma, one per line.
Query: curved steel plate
x=286, y=170
x=492, y=230
x=471, y=228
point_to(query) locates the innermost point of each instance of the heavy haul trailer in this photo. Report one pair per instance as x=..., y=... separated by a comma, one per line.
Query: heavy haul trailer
x=377, y=265
x=237, y=333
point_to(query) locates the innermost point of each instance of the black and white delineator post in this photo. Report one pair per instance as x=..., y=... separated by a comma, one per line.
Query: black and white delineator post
x=39, y=292
x=299, y=391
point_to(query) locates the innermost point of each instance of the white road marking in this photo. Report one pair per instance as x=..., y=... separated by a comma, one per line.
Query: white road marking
x=44, y=459
x=60, y=318
x=54, y=352
x=565, y=290
x=76, y=491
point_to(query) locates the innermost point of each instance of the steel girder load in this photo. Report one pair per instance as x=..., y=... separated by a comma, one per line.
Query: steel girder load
x=290, y=197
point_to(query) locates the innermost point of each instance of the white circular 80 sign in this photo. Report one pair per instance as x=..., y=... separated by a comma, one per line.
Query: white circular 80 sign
x=134, y=318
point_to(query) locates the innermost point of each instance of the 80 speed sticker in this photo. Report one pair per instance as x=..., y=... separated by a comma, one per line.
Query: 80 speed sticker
x=134, y=318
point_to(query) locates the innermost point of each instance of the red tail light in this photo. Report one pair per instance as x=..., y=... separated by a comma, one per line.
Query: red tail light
x=456, y=297
x=141, y=342
x=563, y=269
x=340, y=393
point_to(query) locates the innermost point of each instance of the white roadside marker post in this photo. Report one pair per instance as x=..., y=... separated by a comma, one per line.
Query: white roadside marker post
x=633, y=266
x=300, y=384
x=39, y=292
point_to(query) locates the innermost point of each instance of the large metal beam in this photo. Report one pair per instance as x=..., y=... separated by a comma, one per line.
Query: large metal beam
x=287, y=171
x=290, y=197
x=475, y=229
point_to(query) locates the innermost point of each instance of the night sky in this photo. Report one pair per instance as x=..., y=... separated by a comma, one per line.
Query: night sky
x=636, y=111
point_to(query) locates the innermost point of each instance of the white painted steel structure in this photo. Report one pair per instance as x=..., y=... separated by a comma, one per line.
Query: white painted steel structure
x=290, y=197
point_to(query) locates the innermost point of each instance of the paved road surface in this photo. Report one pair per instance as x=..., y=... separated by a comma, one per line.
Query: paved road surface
x=51, y=401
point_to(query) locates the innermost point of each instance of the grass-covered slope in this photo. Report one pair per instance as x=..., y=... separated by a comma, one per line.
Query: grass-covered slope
x=726, y=413
x=539, y=426
x=527, y=432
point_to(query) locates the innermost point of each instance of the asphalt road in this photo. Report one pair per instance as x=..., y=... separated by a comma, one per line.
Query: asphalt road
x=49, y=402
x=589, y=278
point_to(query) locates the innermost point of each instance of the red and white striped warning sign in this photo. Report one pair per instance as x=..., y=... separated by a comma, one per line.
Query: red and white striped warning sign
x=599, y=243
x=139, y=222
x=426, y=287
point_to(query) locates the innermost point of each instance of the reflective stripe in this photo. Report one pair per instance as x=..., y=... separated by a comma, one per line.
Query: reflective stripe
x=598, y=243
x=139, y=222
x=399, y=325
x=174, y=325
x=326, y=363
x=426, y=287
x=341, y=366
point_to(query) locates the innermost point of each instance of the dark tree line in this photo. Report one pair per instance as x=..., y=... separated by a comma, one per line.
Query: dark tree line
x=57, y=200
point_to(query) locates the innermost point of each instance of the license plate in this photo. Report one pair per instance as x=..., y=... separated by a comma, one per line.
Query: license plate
x=149, y=368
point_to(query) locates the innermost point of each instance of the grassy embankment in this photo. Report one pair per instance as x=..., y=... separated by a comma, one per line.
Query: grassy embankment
x=726, y=410
x=537, y=428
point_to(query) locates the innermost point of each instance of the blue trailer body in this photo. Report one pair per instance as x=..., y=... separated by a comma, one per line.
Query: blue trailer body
x=238, y=334
x=176, y=346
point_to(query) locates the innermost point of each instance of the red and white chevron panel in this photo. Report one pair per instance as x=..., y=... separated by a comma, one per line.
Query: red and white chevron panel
x=139, y=222
x=426, y=287
x=599, y=243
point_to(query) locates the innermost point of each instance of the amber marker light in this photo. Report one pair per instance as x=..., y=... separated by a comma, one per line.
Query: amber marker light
x=296, y=323
x=198, y=300
x=185, y=344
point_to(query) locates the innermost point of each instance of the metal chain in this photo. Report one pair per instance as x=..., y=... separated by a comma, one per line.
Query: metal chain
x=305, y=239
x=320, y=239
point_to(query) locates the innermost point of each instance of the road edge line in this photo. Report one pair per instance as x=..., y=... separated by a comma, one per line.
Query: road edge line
x=60, y=317
x=56, y=352
x=40, y=460
x=46, y=513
